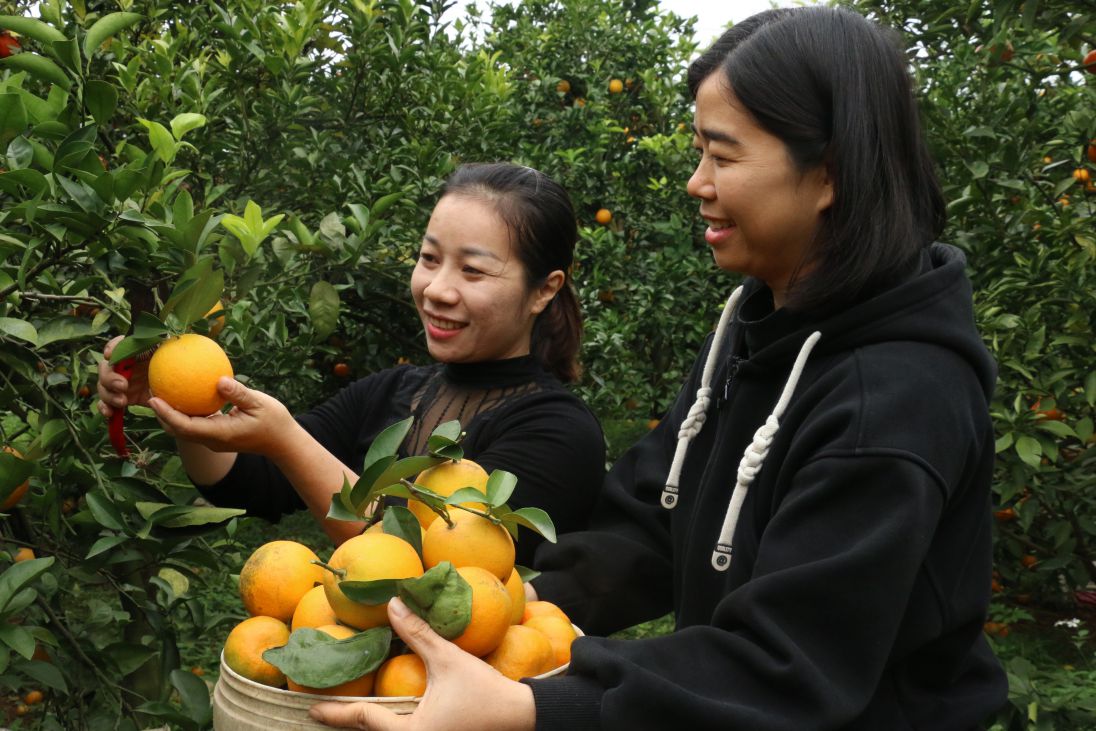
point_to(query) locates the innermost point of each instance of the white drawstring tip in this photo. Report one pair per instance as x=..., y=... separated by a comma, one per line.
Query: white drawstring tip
x=669, y=497
x=721, y=556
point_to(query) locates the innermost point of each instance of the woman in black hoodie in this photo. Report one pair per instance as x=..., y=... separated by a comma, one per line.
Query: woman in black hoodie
x=815, y=507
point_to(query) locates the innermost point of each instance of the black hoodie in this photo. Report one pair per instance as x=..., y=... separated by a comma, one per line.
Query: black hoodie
x=861, y=563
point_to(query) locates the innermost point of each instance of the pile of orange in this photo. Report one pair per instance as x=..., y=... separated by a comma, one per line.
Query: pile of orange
x=284, y=589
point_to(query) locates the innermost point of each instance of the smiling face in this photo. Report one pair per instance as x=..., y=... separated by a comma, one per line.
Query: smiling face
x=470, y=287
x=762, y=211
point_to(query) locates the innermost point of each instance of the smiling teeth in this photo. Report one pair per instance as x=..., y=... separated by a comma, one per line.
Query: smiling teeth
x=444, y=324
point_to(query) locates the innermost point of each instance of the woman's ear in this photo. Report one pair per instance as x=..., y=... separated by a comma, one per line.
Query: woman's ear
x=547, y=290
x=823, y=178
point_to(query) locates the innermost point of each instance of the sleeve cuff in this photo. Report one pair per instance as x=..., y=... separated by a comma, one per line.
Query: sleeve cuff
x=567, y=703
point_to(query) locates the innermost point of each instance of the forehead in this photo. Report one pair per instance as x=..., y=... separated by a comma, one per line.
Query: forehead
x=469, y=224
x=719, y=113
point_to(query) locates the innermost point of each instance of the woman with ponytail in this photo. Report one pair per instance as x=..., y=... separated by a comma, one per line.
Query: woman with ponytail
x=493, y=289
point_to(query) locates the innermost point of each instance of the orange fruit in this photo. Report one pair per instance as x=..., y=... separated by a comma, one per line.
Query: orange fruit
x=560, y=635
x=1005, y=514
x=313, y=610
x=445, y=479
x=23, y=554
x=17, y=494
x=1090, y=61
x=368, y=557
x=362, y=686
x=246, y=644
x=515, y=587
x=542, y=608
x=275, y=578
x=490, y=612
x=184, y=372
x=471, y=540
x=1081, y=175
x=1028, y=561
x=616, y=86
x=218, y=324
x=402, y=675
x=342, y=370
x=603, y=216
x=1090, y=151
x=652, y=423
x=523, y=653
x=378, y=527
x=563, y=86
x=33, y=698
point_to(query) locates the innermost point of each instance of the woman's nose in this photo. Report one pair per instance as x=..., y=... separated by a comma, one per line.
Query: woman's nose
x=440, y=288
x=700, y=183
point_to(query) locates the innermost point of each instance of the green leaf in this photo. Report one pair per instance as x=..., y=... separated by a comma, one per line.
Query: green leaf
x=19, y=329
x=131, y=346
x=31, y=28
x=188, y=516
x=163, y=144
x=323, y=309
x=500, y=486
x=46, y=674
x=342, y=507
x=193, y=694
x=317, y=660
x=104, y=511
x=13, y=473
x=466, y=495
x=1003, y=442
x=1029, y=450
x=449, y=430
x=388, y=442
x=17, y=576
x=526, y=574
x=148, y=326
x=197, y=291
x=32, y=180
x=1090, y=388
x=533, y=518
x=442, y=597
x=106, y=543
x=450, y=451
x=106, y=27
x=65, y=328
x=128, y=657
x=17, y=639
x=370, y=592
x=405, y=468
x=185, y=122
x=361, y=496
x=1057, y=428
x=402, y=523
x=13, y=118
x=384, y=203
x=101, y=99
x=39, y=67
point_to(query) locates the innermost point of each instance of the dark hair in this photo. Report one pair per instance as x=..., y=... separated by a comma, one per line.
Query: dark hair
x=834, y=87
x=541, y=220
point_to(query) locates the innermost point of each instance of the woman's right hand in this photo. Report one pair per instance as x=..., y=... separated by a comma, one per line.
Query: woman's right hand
x=115, y=390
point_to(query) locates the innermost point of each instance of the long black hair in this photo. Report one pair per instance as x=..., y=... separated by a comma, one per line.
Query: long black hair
x=541, y=220
x=835, y=88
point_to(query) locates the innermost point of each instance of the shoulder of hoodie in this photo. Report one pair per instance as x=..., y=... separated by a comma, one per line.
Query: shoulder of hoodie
x=915, y=401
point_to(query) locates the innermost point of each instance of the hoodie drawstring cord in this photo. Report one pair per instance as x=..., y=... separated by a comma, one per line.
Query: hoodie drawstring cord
x=754, y=457
x=698, y=412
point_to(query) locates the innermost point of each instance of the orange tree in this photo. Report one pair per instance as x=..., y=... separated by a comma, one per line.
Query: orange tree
x=286, y=152
x=1008, y=110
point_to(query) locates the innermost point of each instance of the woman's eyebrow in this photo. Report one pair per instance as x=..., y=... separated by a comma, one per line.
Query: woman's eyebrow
x=466, y=250
x=714, y=135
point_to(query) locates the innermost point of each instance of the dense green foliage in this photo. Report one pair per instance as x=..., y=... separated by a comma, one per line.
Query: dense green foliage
x=297, y=148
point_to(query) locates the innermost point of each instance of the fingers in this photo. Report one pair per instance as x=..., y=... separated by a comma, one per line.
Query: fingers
x=425, y=642
x=358, y=715
x=530, y=592
x=111, y=386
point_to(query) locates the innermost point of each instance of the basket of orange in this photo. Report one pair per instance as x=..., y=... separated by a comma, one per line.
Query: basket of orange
x=318, y=629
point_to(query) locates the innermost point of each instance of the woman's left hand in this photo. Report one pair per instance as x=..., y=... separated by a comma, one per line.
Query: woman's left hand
x=463, y=693
x=257, y=423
